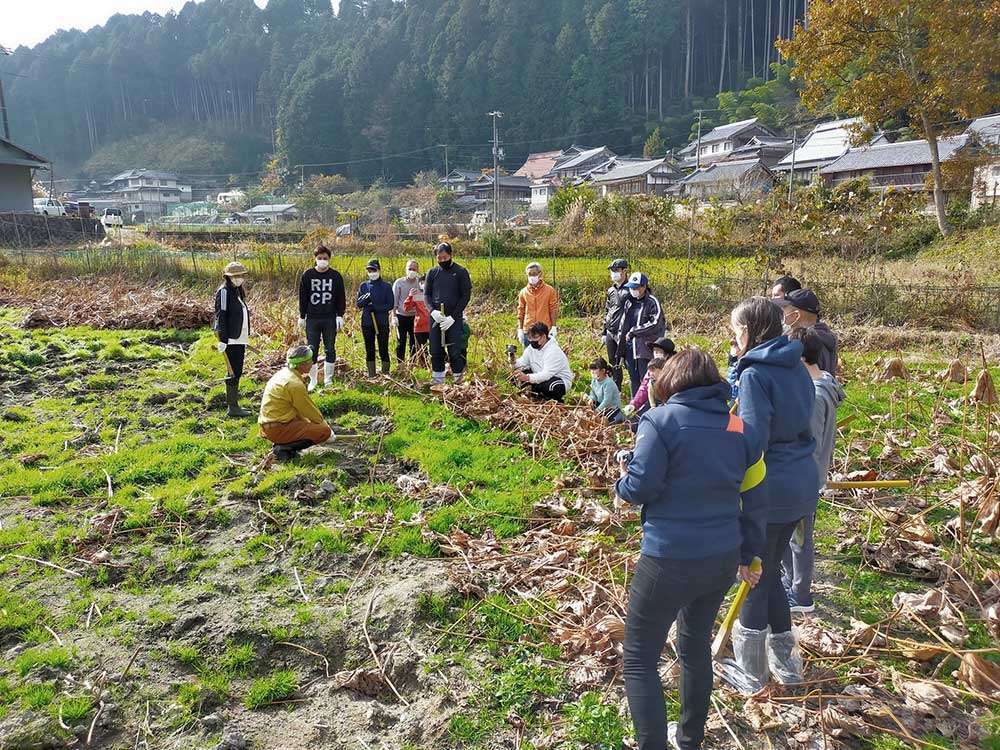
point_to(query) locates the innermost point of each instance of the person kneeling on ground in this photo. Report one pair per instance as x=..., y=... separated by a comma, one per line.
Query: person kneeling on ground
x=288, y=417
x=543, y=367
x=604, y=394
x=642, y=401
x=690, y=448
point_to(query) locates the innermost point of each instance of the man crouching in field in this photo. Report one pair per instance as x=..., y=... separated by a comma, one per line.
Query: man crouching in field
x=288, y=417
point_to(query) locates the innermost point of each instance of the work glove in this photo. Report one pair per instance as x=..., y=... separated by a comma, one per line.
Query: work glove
x=220, y=346
x=302, y=323
x=437, y=315
x=446, y=322
x=552, y=331
x=519, y=335
x=340, y=323
x=628, y=410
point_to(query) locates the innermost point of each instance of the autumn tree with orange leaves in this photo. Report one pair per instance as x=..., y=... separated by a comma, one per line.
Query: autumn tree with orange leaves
x=933, y=61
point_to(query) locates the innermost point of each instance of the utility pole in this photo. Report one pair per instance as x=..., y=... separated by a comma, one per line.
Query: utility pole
x=3, y=104
x=697, y=150
x=791, y=172
x=496, y=115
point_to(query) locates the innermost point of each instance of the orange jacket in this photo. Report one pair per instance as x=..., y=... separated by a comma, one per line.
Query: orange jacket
x=537, y=304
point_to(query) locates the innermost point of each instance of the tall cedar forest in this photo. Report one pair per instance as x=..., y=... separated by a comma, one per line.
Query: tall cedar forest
x=222, y=83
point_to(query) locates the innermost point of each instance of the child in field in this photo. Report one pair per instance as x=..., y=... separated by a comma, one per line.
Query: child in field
x=416, y=305
x=604, y=394
x=799, y=559
x=643, y=399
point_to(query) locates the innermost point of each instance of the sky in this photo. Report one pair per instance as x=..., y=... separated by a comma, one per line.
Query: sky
x=29, y=23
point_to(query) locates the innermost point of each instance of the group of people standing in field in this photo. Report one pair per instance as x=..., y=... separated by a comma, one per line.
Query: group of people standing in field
x=726, y=470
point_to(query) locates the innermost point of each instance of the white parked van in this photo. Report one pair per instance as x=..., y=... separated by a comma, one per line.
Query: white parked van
x=112, y=217
x=48, y=207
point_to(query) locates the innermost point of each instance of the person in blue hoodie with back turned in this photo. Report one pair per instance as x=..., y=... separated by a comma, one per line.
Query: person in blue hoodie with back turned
x=375, y=299
x=697, y=471
x=776, y=399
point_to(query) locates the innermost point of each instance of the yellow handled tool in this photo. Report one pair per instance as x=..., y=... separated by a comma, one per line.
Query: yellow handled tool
x=878, y=484
x=726, y=629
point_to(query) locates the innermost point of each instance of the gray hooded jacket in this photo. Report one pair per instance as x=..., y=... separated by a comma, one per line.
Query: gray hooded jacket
x=829, y=395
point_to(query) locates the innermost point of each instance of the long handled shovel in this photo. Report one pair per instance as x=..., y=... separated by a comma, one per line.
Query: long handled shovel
x=877, y=484
x=726, y=629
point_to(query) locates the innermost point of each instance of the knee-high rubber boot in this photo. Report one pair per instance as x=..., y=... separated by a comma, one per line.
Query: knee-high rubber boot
x=784, y=658
x=313, y=374
x=385, y=367
x=232, y=400
x=750, y=652
x=327, y=374
x=371, y=368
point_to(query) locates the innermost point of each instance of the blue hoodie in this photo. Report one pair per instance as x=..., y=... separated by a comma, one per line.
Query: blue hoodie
x=692, y=465
x=776, y=398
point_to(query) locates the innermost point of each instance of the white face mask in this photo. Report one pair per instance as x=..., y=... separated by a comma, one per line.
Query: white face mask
x=657, y=354
x=421, y=287
x=534, y=280
x=373, y=275
x=635, y=293
x=322, y=264
x=237, y=280
x=616, y=276
x=411, y=275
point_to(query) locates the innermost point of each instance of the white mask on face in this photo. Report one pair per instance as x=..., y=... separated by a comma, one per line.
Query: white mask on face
x=658, y=354
x=421, y=287
x=237, y=280
x=411, y=275
x=373, y=275
x=616, y=276
x=635, y=293
x=534, y=280
x=322, y=264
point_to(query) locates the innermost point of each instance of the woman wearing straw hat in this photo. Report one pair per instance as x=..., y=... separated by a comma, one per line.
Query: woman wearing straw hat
x=232, y=326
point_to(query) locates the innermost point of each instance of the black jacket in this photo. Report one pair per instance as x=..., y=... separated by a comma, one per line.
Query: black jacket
x=322, y=295
x=229, y=312
x=649, y=326
x=450, y=287
x=614, y=304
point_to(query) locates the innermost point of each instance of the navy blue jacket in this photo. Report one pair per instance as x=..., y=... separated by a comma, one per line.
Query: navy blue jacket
x=776, y=399
x=375, y=299
x=691, y=468
x=450, y=287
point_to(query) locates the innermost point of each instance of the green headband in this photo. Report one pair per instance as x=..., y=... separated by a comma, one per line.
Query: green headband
x=301, y=359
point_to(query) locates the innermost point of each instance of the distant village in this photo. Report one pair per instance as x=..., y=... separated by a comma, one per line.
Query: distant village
x=736, y=162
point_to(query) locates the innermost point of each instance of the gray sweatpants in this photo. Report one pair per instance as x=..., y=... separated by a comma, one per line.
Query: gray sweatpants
x=798, y=563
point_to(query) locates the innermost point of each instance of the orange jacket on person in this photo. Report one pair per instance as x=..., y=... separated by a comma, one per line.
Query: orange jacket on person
x=415, y=303
x=537, y=304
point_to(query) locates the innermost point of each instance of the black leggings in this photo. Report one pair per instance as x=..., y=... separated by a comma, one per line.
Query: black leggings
x=325, y=329
x=767, y=602
x=372, y=328
x=235, y=354
x=553, y=388
x=664, y=590
x=405, y=331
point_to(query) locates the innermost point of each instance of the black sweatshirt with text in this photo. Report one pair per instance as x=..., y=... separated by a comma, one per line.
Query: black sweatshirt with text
x=322, y=295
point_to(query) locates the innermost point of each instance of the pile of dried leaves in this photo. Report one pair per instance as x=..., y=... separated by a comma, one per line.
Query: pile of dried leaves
x=106, y=303
x=577, y=433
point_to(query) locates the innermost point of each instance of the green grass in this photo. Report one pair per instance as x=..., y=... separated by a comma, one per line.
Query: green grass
x=238, y=659
x=595, y=723
x=274, y=687
x=57, y=657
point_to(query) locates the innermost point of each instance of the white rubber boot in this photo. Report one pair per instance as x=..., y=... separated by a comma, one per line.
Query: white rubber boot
x=784, y=658
x=437, y=378
x=313, y=373
x=750, y=652
x=327, y=374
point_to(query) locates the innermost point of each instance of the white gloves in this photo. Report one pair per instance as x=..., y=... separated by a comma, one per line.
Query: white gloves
x=446, y=323
x=437, y=315
x=302, y=323
x=340, y=323
x=628, y=410
x=519, y=335
x=220, y=346
x=552, y=331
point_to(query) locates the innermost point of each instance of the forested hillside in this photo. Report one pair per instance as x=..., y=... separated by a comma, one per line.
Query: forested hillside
x=383, y=77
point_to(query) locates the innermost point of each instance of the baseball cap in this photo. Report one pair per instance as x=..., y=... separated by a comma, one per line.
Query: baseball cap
x=636, y=280
x=374, y=265
x=802, y=299
x=667, y=345
x=618, y=264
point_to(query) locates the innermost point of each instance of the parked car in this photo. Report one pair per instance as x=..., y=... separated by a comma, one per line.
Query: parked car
x=112, y=217
x=232, y=220
x=261, y=220
x=49, y=207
